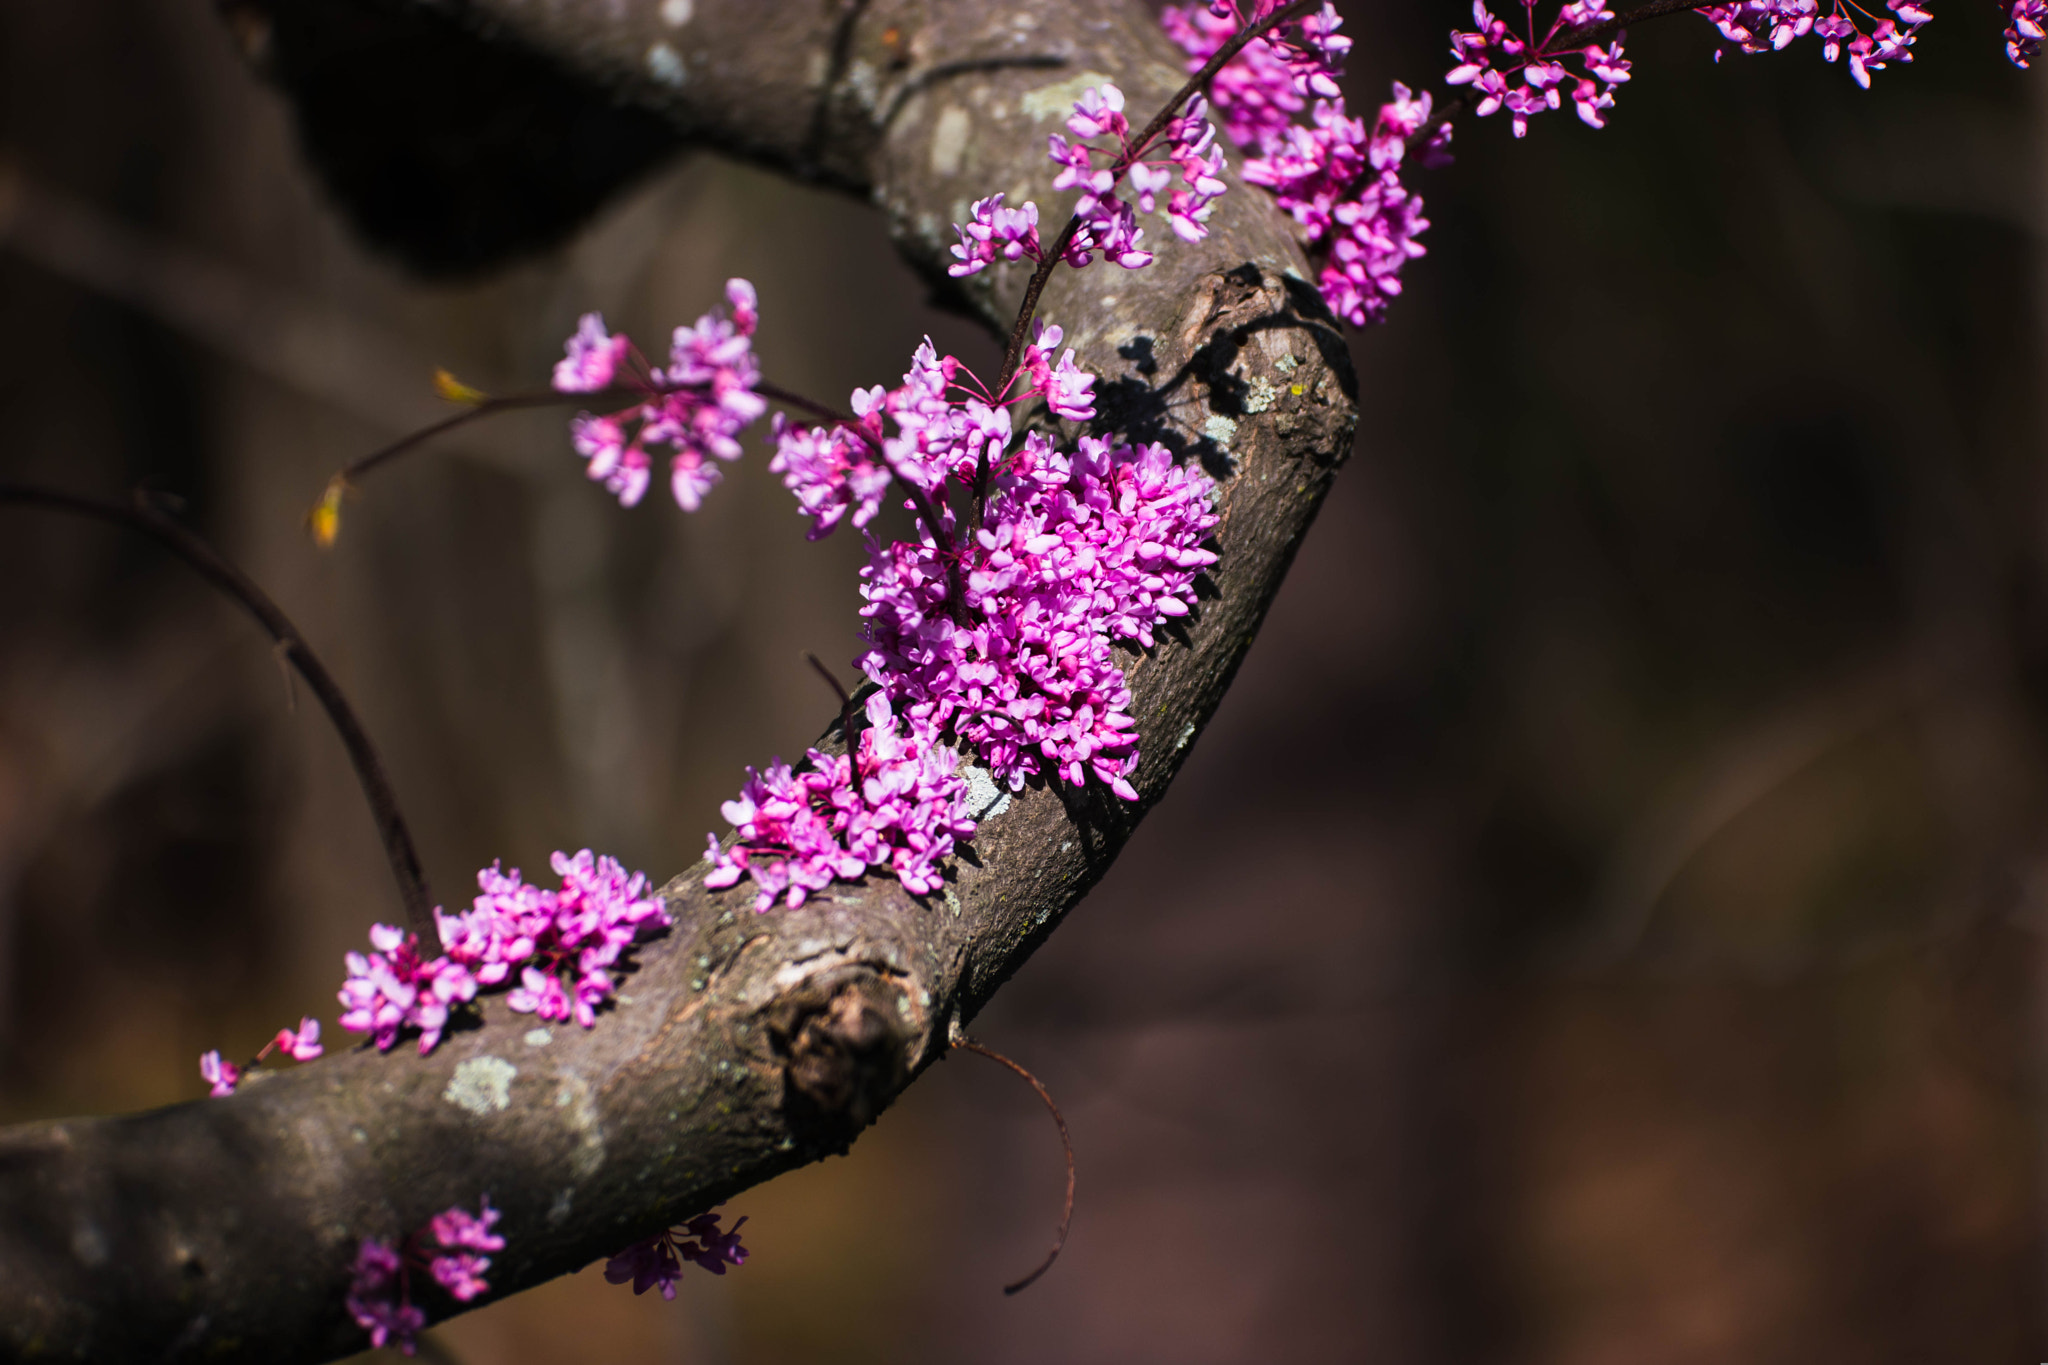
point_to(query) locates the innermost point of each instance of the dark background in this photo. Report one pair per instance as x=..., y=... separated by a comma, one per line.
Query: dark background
x=1602, y=924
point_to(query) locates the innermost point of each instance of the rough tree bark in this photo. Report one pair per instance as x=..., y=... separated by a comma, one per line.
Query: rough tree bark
x=744, y=1044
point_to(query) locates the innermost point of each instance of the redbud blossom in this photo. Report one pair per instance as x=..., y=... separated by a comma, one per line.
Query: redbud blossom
x=564, y=942
x=657, y=1263
x=302, y=1045
x=380, y=1293
x=394, y=988
x=899, y=809
x=1076, y=551
x=697, y=406
x=378, y=1300
x=221, y=1075
x=460, y=1235
x=1758, y=25
x=592, y=357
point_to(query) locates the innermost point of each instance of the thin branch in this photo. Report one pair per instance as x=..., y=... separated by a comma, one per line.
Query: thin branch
x=1059, y=1238
x=845, y=707
x=208, y=563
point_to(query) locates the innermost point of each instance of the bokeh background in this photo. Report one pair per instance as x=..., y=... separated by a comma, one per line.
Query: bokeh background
x=1603, y=924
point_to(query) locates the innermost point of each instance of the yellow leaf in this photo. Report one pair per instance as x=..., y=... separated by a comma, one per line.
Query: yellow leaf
x=323, y=523
x=455, y=391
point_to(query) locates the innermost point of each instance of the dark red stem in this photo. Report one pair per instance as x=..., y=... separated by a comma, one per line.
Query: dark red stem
x=1059, y=1238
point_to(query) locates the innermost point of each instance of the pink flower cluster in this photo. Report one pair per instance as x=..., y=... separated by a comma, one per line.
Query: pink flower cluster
x=897, y=807
x=2027, y=28
x=697, y=406
x=1342, y=183
x=1492, y=53
x=657, y=1263
x=380, y=1294
x=564, y=941
x=850, y=466
x=1755, y=25
x=1003, y=644
x=394, y=988
x=1108, y=224
x=301, y=1045
x=1075, y=553
x=1338, y=178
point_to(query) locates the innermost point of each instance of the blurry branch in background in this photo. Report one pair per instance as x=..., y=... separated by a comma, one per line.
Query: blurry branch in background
x=151, y=521
x=325, y=353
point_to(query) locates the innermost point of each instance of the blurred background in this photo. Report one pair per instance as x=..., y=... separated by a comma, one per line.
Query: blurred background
x=1650, y=737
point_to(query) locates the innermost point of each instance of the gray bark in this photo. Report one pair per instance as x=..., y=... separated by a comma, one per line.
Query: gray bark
x=744, y=1044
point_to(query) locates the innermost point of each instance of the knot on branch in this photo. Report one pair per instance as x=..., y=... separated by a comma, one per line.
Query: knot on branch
x=844, y=1040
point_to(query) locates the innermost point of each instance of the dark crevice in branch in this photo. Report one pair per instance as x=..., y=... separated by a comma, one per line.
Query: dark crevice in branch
x=207, y=562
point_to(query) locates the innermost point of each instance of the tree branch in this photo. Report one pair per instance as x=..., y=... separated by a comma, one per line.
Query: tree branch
x=744, y=1044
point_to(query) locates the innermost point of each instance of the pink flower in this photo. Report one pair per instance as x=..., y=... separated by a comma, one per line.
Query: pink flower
x=1076, y=551
x=460, y=1236
x=394, y=988
x=993, y=231
x=380, y=1293
x=697, y=406
x=221, y=1075
x=303, y=1045
x=377, y=1298
x=1100, y=113
x=657, y=1263
x=592, y=357
x=900, y=810
x=1757, y=25
x=564, y=941
x=2027, y=28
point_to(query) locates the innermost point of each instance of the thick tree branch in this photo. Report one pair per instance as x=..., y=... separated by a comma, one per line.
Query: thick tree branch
x=744, y=1044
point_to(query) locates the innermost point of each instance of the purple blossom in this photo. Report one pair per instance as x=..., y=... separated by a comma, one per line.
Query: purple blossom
x=1076, y=551
x=593, y=356
x=460, y=1236
x=1342, y=183
x=394, y=988
x=2027, y=28
x=1109, y=224
x=565, y=942
x=302, y=1045
x=223, y=1076
x=1066, y=387
x=899, y=809
x=993, y=231
x=379, y=1301
x=697, y=406
x=657, y=1263
x=1490, y=55
x=832, y=469
x=1254, y=95
x=380, y=1293
x=1757, y=25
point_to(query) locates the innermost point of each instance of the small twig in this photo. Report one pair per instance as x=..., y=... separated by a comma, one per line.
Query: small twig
x=1013, y=353
x=845, y=707
x=208, y=563
x=489, y=407
x=1059, y=1238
